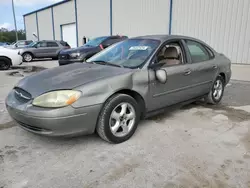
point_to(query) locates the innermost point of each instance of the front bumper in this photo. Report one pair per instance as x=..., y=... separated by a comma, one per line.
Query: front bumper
x=66, y=121
x=69, y=61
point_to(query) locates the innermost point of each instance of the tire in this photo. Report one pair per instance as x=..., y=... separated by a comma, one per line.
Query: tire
x=27, y=57
x=212, y=98
x=5, y=63
x=55, y=58
x=106, y=120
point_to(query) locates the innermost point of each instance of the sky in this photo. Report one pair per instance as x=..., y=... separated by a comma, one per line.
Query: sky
x=21, y=7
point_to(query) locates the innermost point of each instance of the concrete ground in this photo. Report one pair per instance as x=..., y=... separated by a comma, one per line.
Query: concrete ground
x=195, y=146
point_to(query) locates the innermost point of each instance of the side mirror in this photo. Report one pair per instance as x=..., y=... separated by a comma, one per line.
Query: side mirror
x=156, y=66
x=161, y=75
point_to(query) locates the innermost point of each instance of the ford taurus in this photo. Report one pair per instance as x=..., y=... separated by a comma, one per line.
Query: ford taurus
x=117, y=87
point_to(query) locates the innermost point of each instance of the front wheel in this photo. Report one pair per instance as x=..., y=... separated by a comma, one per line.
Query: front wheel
x=27, y=57
x=5, y=63
x=216, y=93
x=118, y=119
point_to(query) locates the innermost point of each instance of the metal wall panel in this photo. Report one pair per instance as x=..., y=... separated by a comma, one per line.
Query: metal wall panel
x=45, y=24
x=223, y=24
x=93, y=20
x=63, y=14
x=30, y=26
x=140, y=17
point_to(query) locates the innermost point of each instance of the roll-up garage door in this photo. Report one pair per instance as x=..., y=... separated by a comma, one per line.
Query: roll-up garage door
x=69, y=34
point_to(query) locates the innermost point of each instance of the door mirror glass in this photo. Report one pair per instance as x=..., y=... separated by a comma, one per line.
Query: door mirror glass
x=161, y=75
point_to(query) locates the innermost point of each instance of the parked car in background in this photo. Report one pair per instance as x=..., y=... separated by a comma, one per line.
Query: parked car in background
x=88, y=50
x=115, y=88
x=4, y=43
x=9, y=57
x=21, y=43
x=43, y=49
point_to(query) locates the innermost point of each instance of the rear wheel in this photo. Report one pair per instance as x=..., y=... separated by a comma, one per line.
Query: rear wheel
x=27, y=57
x=5, y=63
x=217, y=91
x=118, y=119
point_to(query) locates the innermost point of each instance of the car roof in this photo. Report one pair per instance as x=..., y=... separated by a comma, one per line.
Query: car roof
x=163, y=38
x=50, y=41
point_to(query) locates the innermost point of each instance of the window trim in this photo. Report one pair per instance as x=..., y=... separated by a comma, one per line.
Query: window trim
x=208, y=50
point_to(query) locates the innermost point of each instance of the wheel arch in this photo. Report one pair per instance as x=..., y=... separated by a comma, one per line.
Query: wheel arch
x=139, y=99
x=1, y=56
x=223, y=75
x=29, y=52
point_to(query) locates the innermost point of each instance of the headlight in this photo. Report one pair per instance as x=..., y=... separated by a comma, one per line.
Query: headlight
x=75, y=55
x=57, y=98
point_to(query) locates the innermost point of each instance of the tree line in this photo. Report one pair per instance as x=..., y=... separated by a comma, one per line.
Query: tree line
x=10, y=35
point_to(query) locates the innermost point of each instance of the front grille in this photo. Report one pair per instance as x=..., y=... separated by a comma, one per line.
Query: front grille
x=32, y=128
x=22, y=95
x=63, y=56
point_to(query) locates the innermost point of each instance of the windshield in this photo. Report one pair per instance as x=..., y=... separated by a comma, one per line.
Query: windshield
x=96, y=41
x=130, y=53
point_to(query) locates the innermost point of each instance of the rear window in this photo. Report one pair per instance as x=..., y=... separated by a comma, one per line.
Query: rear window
x=64, y=43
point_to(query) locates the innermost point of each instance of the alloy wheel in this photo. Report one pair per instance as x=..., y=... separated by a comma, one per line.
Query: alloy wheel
x=122, y=119
x=217, y=89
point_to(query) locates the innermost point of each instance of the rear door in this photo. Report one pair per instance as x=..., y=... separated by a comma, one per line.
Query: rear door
x=53, y=49
x=203, y=67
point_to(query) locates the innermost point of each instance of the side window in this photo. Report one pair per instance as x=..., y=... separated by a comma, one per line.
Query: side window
x=52, y=44
x=22, y=43
x=42, y=44
x=28, y=42
x=198, y=52
x=171, y=54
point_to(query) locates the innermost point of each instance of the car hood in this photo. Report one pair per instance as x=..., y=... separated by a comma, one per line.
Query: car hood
x=67, y=77
x=82, y=49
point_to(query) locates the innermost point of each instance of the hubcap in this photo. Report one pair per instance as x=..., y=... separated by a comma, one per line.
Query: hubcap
x=27, y=57
x=122, y=119
x=218, y=88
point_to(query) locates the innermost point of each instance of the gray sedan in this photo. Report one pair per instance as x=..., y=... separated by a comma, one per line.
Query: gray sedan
x=117, y=87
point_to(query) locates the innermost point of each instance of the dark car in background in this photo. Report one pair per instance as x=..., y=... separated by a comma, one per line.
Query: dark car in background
x=88, y=50
x=43, y=49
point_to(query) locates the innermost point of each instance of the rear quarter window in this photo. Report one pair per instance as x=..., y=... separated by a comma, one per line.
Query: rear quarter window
x=199, y=52
x=63, y=43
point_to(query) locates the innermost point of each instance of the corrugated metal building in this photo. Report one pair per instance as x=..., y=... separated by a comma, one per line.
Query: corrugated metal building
x=223, y=24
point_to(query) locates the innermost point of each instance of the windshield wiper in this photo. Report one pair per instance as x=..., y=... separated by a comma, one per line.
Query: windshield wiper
x=106, y=63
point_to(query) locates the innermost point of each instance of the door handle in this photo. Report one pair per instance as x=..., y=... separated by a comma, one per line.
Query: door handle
x=187, y=72
x=215, y=67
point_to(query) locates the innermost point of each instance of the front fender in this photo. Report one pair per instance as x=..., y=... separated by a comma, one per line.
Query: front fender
x=99, y=91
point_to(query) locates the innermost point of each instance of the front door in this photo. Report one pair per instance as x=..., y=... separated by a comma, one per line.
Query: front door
x=41, y=49
x=177, y=88
x=180, y=80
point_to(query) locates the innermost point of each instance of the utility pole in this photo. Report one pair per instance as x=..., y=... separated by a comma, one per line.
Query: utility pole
x=14, y=16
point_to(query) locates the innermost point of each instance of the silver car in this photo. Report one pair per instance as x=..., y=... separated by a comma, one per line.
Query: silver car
x=43, y=49
x=117, y=87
